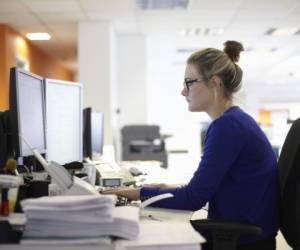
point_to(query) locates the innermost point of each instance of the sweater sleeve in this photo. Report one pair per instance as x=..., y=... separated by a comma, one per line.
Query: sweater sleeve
x=223, y=144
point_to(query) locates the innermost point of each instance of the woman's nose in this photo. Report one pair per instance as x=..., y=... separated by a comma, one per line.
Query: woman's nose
x=184, y=92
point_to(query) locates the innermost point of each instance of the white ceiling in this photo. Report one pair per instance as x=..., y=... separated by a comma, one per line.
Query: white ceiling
x=243, y=20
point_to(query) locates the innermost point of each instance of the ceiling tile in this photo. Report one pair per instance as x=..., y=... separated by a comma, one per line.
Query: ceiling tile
x=26, y=19
x=108, y=5
x=215, y=4
x=293, y=18
x=7, y=6
x=52, y=5
x=116, y=15
x=283, y=5
x=258, y=14
x=61, y=17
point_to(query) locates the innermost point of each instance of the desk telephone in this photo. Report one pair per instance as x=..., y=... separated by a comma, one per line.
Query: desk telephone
x=107, y=176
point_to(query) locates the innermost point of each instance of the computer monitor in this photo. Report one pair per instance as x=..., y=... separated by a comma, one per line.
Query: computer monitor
x=63, y=121
x=27, y=111
x=93, y=134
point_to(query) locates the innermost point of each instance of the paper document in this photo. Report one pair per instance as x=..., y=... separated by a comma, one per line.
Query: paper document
x=155, y=199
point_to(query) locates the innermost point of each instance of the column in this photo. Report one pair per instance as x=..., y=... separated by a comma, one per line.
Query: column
x=96, y=45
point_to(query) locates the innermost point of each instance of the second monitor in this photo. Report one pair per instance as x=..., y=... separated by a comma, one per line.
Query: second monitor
x=64, y=121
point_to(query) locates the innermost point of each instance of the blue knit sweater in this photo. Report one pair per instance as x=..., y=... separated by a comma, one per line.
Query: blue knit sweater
x=237, y=175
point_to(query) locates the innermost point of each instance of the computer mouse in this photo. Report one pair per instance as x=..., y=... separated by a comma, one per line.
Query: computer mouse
x=135, y=171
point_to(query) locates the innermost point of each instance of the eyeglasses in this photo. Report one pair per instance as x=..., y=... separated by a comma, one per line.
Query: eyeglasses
x=188, y=83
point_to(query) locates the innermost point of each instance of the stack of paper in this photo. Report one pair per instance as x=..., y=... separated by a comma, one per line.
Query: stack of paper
x=87, y=208
x=79, y=217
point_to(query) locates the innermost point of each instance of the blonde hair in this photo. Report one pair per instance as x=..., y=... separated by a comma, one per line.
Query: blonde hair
x=210, y=62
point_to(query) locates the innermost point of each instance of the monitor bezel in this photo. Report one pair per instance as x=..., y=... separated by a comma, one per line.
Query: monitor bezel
x=15, y=114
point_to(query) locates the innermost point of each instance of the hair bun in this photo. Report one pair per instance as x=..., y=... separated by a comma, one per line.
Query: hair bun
x=233, y=50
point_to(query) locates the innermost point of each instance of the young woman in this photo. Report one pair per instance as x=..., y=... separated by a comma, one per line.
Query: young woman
x=237, y=173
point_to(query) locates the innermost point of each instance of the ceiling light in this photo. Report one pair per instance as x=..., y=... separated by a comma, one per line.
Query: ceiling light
x=38, y=36
x=215, y=31
x=186, y=50
x=287, y=31
x=161, y=5
x=184, y=32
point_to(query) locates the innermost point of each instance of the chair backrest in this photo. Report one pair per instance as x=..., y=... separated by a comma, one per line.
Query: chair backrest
x=140, y=132
x=289, y=174
x=143, y=143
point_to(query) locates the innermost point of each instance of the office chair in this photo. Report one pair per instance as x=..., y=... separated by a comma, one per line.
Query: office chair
x=143, y=142
x=289, y=179
x=225, y=234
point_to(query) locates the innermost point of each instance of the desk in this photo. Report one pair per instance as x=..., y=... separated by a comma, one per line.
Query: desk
x=168, y=229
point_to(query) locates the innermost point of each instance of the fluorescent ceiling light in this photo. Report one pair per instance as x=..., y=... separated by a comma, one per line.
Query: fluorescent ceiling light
x=38, y=36
x=184, y=32
x=161, y=4
x=287, y=31
x=215, y=31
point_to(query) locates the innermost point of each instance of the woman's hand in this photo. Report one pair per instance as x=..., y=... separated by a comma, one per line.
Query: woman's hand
x=132, y=194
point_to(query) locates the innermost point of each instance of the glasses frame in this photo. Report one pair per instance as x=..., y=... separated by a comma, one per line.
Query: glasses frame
x=188, y=83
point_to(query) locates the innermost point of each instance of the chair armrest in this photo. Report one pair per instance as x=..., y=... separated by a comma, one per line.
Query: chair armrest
x=225, y=225
x=165, y=136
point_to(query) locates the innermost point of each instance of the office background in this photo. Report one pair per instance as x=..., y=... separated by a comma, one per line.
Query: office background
x=131, y=59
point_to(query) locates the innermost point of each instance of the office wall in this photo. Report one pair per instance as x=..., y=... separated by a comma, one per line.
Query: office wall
x=167, y=107
x=3, y=77
x=132, y=79
x=14, y=47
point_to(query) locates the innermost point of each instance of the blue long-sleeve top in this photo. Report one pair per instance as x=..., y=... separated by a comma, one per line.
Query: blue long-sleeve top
x=237, y=175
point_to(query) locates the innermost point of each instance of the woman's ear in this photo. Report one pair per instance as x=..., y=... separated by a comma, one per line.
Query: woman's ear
x=216, y=81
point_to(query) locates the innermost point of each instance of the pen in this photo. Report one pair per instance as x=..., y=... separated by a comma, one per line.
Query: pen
x=150, y=216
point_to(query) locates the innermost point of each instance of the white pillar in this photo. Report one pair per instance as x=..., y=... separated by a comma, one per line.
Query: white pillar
x=96, y=68
x=131, y=65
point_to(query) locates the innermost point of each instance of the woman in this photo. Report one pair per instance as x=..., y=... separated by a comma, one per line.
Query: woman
x=237, y=173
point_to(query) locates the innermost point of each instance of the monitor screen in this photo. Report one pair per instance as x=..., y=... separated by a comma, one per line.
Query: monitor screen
x=63, y=121
x=97, y=133
x=93, y=134
x=27, y=111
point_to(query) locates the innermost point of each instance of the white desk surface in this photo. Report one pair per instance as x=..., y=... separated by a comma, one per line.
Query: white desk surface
x=164, y=229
